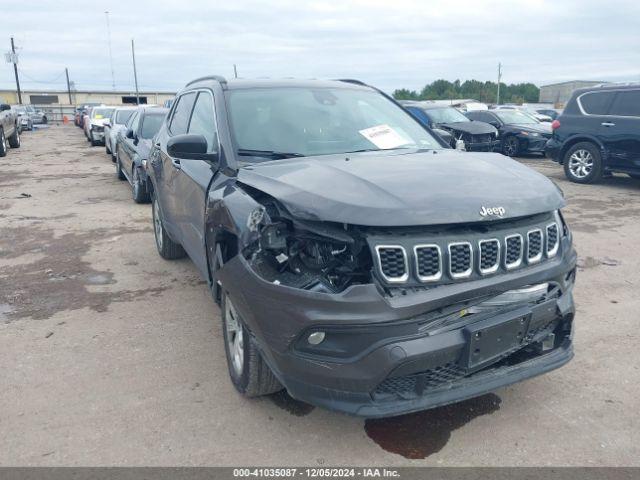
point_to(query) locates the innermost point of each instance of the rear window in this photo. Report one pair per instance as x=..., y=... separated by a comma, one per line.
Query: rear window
x=150, y=125
x=626, y=103
x=596, y=103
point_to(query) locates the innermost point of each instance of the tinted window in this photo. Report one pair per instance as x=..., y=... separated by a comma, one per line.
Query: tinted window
x=596, y=103
x=182, y=113
x=150, y=125
x=122, y=116
x=203, y=121
x=626, y=103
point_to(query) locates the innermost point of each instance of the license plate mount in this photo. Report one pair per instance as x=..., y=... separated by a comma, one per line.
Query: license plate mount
x=490, y=339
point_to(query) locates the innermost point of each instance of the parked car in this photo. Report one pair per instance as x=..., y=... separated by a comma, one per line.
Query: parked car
x=476, y=136
x=38, y=117
x=82, y=111
x=9, y=130
x=24, y=119
x=541, y=117
x=359, y=262
x=552, y=114
x=118, y=119
x=598, y=133
x=94, y=124
x=133, y=146
x=519, y=133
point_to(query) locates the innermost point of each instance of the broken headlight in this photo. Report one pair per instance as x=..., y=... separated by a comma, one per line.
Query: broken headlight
x=326, y=262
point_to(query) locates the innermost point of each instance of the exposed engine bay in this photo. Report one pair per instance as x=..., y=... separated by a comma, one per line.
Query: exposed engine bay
x=319, y=257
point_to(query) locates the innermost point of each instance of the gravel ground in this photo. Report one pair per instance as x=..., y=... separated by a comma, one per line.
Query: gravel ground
x=113, y=356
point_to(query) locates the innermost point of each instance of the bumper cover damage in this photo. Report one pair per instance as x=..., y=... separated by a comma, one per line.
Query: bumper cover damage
x=385, y=355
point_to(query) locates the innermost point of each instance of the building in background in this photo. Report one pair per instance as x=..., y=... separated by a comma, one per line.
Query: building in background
x=61, y=97
x=559, y=93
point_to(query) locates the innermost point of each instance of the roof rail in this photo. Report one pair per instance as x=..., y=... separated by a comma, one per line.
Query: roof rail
x=218, y=78
x=352, y=80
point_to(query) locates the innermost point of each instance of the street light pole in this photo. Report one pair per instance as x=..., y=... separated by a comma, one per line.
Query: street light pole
x=499, y=78
x=135, y=73
x=15, y=69
x=66, y=71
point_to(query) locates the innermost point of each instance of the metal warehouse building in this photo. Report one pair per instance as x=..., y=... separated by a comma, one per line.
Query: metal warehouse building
x=559, y=93
x=79, y=97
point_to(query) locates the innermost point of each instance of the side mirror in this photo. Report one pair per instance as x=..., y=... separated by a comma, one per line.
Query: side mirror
x=4, y=107
x=190, y=146
x=129, y=133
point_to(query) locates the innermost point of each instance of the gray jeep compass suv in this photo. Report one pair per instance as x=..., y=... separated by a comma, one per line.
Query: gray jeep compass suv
x=359, y=262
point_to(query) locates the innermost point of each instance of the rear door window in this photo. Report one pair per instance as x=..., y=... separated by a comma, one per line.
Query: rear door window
x=626, y=103
x=182, y=114
x=596, y=103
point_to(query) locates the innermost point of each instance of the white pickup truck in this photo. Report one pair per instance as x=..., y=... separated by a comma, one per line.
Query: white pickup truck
x=9, y=131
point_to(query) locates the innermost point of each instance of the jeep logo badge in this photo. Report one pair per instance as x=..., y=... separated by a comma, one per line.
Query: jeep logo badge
x=492, y=211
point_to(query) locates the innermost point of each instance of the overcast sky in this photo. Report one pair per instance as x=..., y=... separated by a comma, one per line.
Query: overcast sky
x=388, y=43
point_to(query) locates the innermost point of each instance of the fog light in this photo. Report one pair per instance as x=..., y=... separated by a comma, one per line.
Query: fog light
x=316, y=338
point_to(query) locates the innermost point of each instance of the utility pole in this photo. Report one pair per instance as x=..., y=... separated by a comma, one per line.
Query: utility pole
x=499, y=79
x=135, y=73
x=15, y=69
x=66, y=71
x=113, y=78
x=235, y=71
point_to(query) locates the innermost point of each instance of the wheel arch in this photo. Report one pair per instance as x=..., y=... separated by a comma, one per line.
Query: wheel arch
x=570, y=142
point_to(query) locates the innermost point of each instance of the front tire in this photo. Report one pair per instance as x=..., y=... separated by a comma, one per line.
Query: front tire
x=511, y=146
x=140, y=193
x=14, y=140
x=583, y=163
x=106, y=147
x=167, y=248
x=119, y=172
x=3, y=144
x=248, y=371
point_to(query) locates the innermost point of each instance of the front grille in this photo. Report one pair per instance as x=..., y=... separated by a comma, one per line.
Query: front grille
x=428, y=262
x=552, y=239
x=489, y=255
x=513, y=251
x=483, y=138
x=534, y=246
x=393, y=262
x=448, y=255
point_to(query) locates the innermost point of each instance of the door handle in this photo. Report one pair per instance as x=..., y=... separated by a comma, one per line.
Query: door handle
x=608, y=124
x=176, y=163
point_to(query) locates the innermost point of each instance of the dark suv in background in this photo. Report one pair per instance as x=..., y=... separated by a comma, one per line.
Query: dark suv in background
x=598, y=133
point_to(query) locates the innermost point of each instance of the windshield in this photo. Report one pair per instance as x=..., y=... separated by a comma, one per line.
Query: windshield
x=122, y=116
x=445, y=115
x=150, y=125
x=299, y=121
x=99, y=113
x=21, y=110
x=514, y=117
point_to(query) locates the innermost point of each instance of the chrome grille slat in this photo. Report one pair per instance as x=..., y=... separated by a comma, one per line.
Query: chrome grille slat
x=489, y=258
x=553, y=242
x=534, y=245
x=513, y=246
x=428, y=259
x=460, y=259
x=393, y=263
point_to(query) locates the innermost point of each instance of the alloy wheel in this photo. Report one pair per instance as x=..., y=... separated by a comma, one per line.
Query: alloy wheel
x=235, y=340
x=157, y=224
x=511, y=146
x=581, y=163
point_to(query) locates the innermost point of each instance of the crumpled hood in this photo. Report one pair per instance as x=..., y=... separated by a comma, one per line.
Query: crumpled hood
x=473, y=128
x=396, y=189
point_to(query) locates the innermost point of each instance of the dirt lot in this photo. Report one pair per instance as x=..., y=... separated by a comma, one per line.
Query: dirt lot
x=113, y=356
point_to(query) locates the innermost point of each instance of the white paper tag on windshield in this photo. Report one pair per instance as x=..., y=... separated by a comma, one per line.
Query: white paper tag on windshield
x=383, y=136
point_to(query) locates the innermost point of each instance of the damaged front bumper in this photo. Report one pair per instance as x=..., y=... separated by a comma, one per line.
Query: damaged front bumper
x=385, y=355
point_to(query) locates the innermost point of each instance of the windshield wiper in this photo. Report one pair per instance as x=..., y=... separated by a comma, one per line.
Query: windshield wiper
x=244, y=152
x=381, y=149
